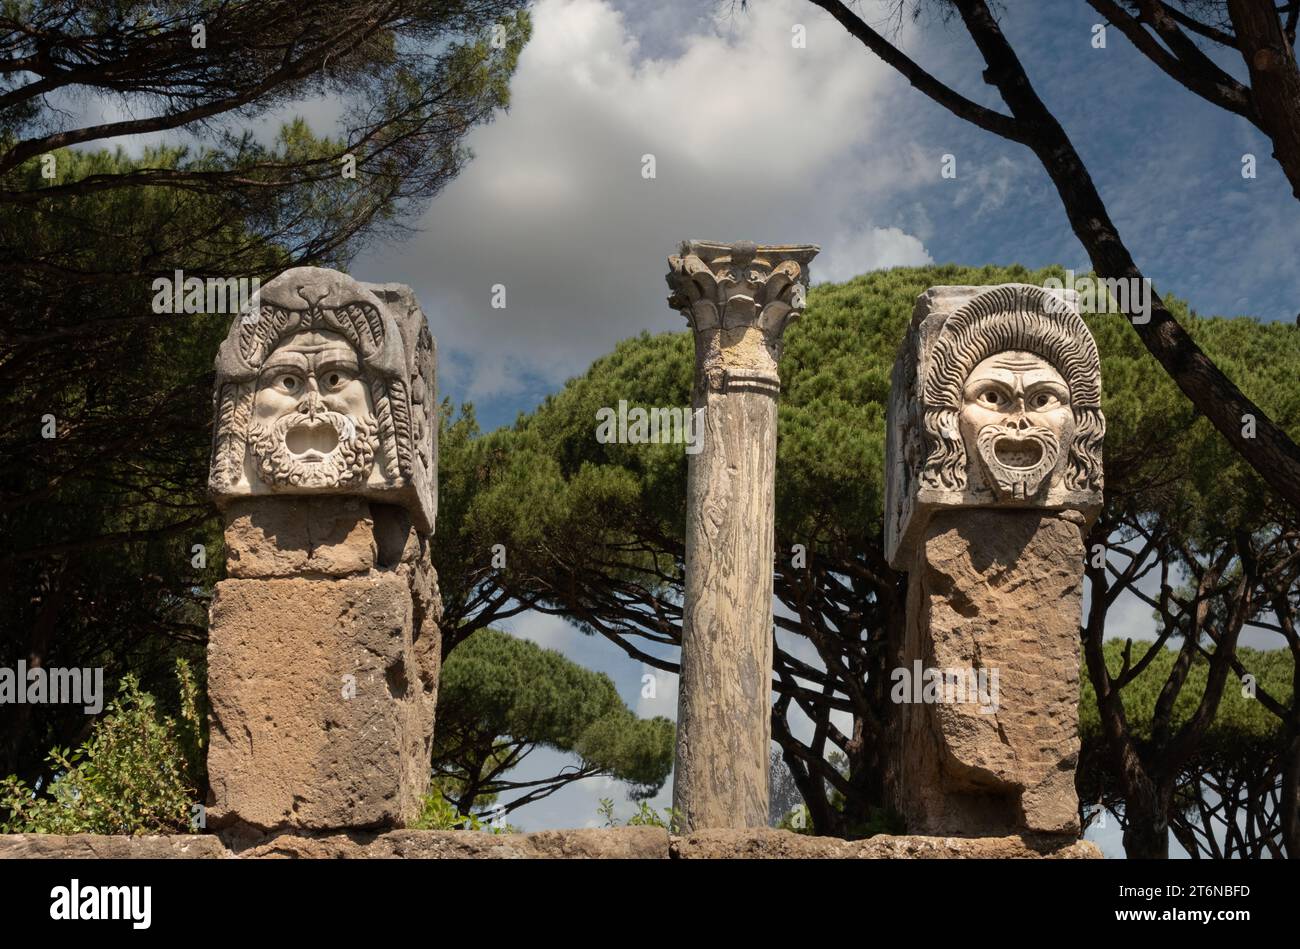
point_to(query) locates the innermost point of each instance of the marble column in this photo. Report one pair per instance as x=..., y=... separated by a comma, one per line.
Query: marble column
x=738, y=298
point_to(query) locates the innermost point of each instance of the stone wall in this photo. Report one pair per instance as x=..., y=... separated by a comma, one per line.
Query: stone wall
x=642, y=843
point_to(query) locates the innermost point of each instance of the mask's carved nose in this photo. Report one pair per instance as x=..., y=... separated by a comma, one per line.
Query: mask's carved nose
x=312, y=405
x=1020, y=424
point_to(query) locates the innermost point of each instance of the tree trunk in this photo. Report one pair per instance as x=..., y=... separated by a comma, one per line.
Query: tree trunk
x=1291, y=795
x=1274, y=80
x=1146, y=823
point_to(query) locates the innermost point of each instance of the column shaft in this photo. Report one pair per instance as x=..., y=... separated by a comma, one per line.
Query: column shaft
x=724, y=710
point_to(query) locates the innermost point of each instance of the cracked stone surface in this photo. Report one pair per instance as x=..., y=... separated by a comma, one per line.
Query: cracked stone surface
x=995, y=590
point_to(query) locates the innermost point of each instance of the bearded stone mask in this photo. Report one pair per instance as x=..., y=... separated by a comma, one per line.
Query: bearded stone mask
x=995, y=401
x=1015, y=421
x=313, y=423
x=327, y=387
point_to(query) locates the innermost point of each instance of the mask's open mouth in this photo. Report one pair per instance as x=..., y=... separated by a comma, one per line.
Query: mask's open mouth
x=322, y=449
x=1016, y=460
x=1017, y=453
x=311, y=441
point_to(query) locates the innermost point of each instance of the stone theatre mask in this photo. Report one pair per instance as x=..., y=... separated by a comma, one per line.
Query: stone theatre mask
x=313, y=422
x=1016, y=414
x=995, y=401
x=1011, y=404
x=327, y=387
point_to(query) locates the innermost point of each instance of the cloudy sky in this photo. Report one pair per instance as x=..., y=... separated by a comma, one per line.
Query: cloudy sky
x=748, y=136
x=753, y=138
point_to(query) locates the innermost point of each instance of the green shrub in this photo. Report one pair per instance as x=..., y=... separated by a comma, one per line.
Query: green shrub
x=137, y=773
x=646, y=816
x=438, y=813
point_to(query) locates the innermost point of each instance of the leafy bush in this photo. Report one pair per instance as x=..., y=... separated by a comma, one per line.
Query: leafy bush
x=137, y=773
x=438, y=813
x=646, y=816
x=798, y=821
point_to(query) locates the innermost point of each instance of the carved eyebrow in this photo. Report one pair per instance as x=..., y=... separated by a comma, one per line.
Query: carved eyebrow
x=339, y=361
x=283, y=360
x=1000, y=380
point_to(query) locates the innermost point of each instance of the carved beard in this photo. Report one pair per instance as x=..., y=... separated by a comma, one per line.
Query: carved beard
x=348, y=463
x=1016, y=460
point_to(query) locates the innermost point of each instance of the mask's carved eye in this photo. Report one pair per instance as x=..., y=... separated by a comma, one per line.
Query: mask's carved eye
x=290, y=383
x=336, y=379
x=991, y=397
x=1042, y=400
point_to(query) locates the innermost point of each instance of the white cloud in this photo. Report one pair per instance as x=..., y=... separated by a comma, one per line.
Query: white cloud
x=844, y=257
x=544, y=629
x=752, y=139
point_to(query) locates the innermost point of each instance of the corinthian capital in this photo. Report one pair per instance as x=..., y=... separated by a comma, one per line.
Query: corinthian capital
x=739, y=298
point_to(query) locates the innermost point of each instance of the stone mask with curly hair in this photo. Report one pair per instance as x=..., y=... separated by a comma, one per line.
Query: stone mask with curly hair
x=1013, y=395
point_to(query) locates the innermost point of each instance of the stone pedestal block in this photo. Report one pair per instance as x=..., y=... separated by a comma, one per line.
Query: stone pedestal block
x=994, y=600
x=290, y=537
x=322, y=693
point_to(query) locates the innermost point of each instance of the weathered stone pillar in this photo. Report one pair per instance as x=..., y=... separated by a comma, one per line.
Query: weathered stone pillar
x=994, y=474
x=739, y=298
x=323, y=650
